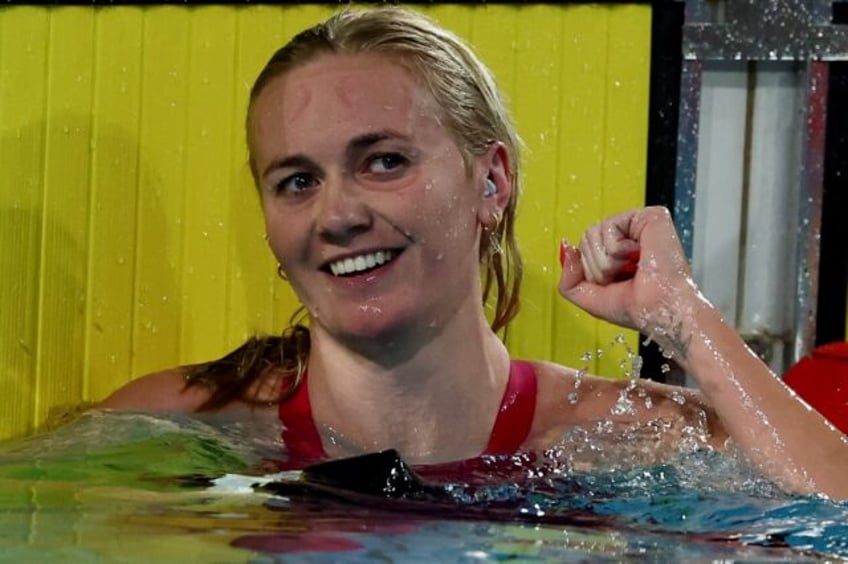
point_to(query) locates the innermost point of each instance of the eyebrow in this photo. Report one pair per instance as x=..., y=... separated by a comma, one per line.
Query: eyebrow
x=361, y=142
x=355, y=146
x=292, y=161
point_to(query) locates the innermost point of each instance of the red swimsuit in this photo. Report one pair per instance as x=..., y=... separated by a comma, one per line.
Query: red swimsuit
x=511, y=428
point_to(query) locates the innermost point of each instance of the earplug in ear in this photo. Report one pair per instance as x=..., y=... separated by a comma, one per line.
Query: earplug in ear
x=491, y=188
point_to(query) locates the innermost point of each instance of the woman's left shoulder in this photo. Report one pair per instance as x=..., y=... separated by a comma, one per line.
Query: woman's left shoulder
x=567, y=397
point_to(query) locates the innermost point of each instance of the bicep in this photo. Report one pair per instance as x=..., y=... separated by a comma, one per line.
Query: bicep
x=160, y=391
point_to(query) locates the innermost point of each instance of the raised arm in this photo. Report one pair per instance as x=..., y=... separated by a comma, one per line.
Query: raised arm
x=630, y=269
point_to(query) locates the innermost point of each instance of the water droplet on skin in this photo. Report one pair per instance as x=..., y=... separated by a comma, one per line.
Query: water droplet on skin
x=624, y=405
x=678, y=398
x=573, y=397
x=578, y=377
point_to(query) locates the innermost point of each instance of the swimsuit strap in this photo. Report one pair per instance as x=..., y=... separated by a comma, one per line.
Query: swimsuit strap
x=300, y=435
x=518, y=406
x=512, y=424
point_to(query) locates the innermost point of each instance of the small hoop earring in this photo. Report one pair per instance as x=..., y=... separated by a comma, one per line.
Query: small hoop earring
x=282, y=273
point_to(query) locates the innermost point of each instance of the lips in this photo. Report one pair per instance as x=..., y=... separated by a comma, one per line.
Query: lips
x=361, y=263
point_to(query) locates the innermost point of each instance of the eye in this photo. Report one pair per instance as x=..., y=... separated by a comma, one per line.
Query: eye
x=295, y=184
x=385, y=163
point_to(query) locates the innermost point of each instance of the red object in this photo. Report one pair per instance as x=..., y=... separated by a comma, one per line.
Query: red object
x=821, y=379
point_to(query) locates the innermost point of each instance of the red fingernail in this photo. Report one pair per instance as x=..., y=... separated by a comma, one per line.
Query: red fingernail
x=630, y=268
x=563, y=246
x=633, y=256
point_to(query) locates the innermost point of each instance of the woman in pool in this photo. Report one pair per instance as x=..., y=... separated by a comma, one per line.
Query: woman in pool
x=387, y=167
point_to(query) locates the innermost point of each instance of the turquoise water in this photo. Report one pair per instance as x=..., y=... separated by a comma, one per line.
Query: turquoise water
x=127, y=487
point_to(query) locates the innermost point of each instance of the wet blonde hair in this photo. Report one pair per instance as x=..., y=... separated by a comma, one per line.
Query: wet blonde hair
x=472, y=110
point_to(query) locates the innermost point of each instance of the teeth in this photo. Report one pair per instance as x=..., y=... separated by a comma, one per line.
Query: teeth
x=358, y=264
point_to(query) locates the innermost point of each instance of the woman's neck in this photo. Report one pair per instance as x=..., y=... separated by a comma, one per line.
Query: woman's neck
x=433, y=402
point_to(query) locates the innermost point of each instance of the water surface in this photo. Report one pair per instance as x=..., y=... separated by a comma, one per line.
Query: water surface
x=129, y=487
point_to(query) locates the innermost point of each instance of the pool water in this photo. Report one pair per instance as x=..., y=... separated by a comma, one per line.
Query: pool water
x=129, y=487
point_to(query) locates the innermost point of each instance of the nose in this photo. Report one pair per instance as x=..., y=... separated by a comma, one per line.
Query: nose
x=341, y=213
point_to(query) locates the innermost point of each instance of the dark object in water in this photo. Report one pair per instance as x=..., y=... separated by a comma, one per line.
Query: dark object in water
x=382, y=474
x=384, y=481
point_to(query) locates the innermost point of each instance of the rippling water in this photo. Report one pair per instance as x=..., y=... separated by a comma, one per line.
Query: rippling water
x=139, y=488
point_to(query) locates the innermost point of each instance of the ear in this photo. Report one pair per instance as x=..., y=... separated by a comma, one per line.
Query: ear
x=493, y=171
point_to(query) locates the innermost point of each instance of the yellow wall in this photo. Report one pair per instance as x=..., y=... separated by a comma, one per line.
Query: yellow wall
x=130, y=236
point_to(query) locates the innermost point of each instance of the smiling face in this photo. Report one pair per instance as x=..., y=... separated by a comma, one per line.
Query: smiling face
x=369, y=205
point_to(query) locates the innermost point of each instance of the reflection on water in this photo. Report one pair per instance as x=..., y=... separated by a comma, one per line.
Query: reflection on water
x=106, y=485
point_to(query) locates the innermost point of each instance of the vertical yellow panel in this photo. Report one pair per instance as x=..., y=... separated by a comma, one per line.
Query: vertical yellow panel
x=580, y=148
x=455, y=18
x=493, y=35
x=161, y=190
x=296, y=18
x=114, y=191
x=66, y=209
x=537, y=116
x=23, y=55
x=625, y=150
x=208, y=146
x=250, y=300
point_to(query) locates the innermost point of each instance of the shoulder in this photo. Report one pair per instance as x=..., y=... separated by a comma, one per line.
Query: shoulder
x=567, y=398
x=159, y=391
